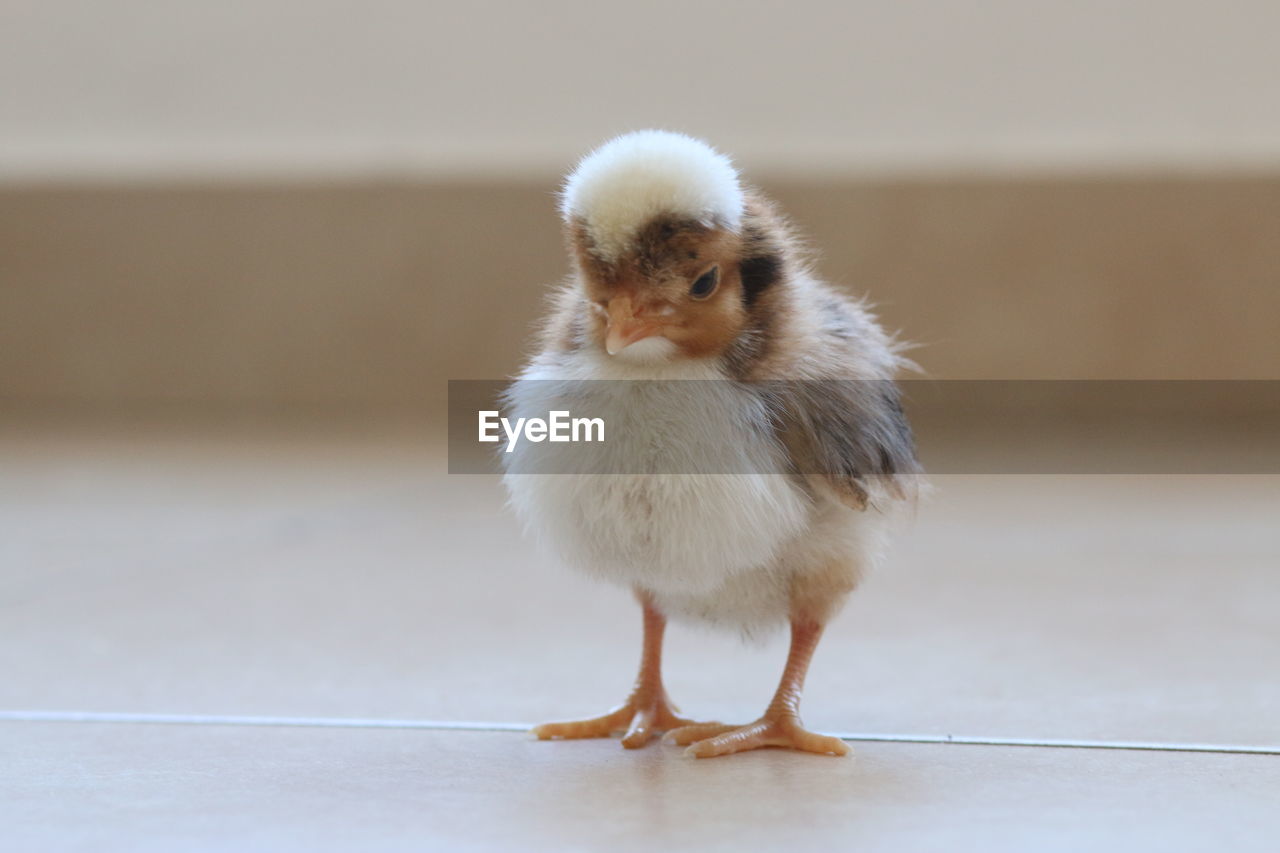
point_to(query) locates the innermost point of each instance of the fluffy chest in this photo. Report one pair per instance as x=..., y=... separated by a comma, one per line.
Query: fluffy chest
x=686, y=491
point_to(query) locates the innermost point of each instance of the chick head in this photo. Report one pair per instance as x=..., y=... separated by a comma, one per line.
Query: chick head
x=661, y=232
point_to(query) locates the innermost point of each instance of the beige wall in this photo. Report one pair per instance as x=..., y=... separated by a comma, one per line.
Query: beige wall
x=183, y=87
x=359, y=295
x=278, y=202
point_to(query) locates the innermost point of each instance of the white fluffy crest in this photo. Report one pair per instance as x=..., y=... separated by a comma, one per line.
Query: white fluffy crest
x=629, y=180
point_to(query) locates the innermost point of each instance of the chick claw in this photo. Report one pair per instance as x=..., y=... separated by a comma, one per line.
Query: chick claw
x=709, y=741
x=638, y=720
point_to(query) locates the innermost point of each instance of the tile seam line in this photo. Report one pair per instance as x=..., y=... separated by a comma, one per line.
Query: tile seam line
x=36, y=716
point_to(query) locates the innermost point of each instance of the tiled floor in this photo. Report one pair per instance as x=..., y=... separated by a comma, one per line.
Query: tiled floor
x=288, y=573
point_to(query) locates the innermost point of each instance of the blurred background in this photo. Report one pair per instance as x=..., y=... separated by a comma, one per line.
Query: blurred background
x=245, y=244
x=279, y=206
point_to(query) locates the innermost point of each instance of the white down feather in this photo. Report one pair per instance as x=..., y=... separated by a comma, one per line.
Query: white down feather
x=684, y=537
x=624, y=183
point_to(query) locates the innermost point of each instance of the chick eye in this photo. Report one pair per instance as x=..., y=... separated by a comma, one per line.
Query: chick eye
x=706, y=284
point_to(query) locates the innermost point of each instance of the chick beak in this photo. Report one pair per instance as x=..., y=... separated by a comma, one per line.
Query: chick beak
x=625, y=328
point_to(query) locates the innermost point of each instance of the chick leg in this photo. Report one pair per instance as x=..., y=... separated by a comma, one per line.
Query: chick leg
x=780, y=725
x=646, y=712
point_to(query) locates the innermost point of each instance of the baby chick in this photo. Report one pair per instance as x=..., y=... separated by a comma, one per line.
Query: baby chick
x=747, y=502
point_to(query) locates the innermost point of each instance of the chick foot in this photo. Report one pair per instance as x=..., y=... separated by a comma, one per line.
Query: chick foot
x=638, y=720
x=780, y=730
